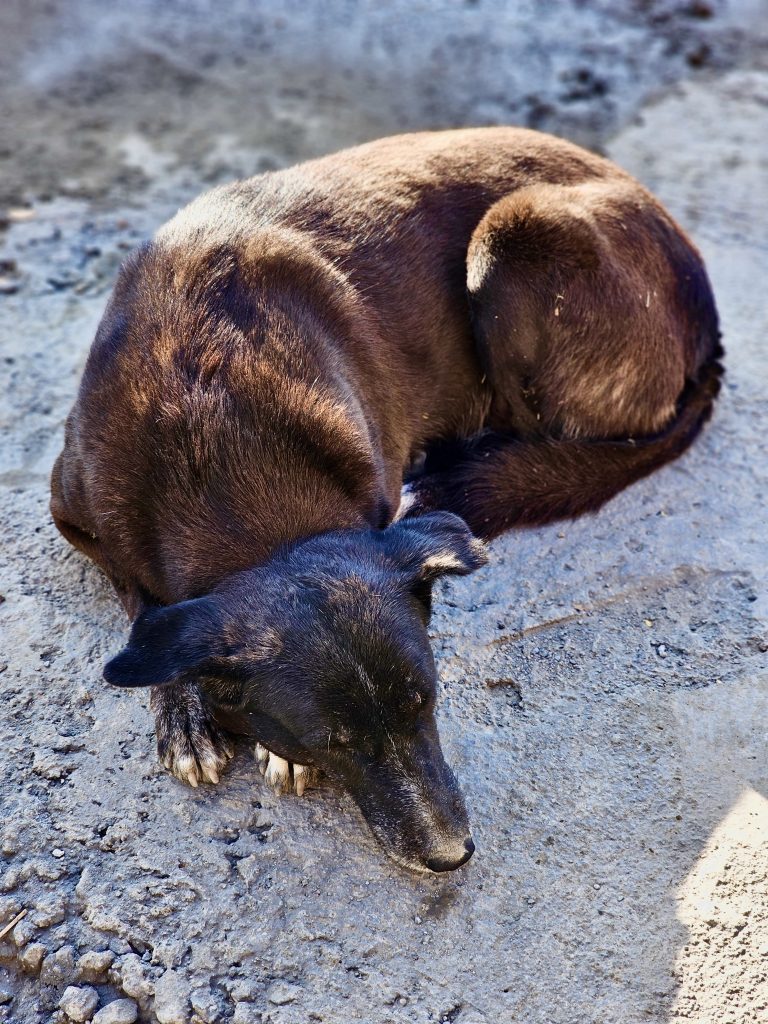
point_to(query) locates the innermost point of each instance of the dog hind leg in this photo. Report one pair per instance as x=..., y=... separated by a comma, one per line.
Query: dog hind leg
x=597, y=330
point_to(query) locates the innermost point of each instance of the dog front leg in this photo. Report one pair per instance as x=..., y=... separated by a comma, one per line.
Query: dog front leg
x=189, y=742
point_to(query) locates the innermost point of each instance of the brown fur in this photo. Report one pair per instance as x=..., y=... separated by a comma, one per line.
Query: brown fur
x=285, y=351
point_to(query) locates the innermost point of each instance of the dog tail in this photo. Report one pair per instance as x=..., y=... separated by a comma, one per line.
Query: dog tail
x=498, y=481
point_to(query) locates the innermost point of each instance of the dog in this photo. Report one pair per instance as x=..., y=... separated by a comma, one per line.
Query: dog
x=317, y=391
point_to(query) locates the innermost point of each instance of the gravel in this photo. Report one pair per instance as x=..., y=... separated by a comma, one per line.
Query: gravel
x=93, y=966
x=603, y=683
x=120, y=1011
x=79, y=1004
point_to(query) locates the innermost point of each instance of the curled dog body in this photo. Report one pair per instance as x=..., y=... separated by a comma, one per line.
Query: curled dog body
x=507, y=324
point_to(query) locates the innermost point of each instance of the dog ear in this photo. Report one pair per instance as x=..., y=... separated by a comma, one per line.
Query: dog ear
x=433, y=545
x=166, y=642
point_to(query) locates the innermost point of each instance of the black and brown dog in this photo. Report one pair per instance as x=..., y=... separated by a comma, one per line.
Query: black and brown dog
x=509, y=323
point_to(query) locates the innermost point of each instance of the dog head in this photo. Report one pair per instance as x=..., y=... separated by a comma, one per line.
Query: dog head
x=325, y=648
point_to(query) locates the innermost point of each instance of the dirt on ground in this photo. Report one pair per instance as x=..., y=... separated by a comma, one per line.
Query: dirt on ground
x=603, y=682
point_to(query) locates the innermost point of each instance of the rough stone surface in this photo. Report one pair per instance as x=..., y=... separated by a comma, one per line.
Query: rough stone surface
x=31, y=957
x=172, y=999
x=79, y=1003
x=282, y=992
x=120, y=1011
x=58, y=968
x=205, y=1005
x=603, y=683
x=92, y=966
x=247, y=1013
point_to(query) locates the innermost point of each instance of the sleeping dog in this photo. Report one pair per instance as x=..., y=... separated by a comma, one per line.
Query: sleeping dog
x=509, y=324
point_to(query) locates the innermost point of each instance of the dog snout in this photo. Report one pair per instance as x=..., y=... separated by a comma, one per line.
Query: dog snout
x=451, y=856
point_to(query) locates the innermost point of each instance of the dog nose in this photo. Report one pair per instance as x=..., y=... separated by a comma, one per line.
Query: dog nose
x=450, y=860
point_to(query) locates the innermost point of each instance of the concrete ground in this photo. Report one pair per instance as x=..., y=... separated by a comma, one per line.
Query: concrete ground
x=604, y=695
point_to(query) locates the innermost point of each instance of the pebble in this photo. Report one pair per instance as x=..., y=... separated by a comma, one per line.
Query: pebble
x=57, y=852
x=31, y=957
x=79, y=1003
x=49, y=912
x=132, y=978
x=121, y=1011
x=247, y=1013
x=92, y=966
x=9, y=908
x=24, y=932
x=171, y=1000
x=10, y=844
x=281, y=993
x=58, y=968
x=5, y=995
x=205, y=1005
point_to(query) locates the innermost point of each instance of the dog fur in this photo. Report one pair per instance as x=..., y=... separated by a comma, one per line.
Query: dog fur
x=511, y=325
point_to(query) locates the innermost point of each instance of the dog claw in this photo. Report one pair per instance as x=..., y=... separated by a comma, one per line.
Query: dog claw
x=262, y=756
x=280, y=775
x=190, y=743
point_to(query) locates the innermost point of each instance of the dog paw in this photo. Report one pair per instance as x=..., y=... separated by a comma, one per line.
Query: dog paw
x=189, y=742
x=283, y=776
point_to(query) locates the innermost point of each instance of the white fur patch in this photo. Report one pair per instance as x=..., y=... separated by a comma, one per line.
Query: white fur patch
x=479, y=549
x=407, y=501
x=443, y=562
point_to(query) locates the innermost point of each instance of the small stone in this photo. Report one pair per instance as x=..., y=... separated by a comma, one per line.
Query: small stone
x=57, y=852
x=31, y=957
x=121, y=1011
x=79, y=1003
x=49, y=912
x=11, y=843
x=24, y=932
x=205, y=1005
x=245, y=990
x=92, y=966
x=17, y=214
x=247, y=1013
x=58, y=968
x=132, y=979
x=10, y=907
x=171, y=1000
x=282, y=992
x=5, y=995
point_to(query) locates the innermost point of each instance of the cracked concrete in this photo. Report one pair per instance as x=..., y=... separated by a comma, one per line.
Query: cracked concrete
x=603, y=683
